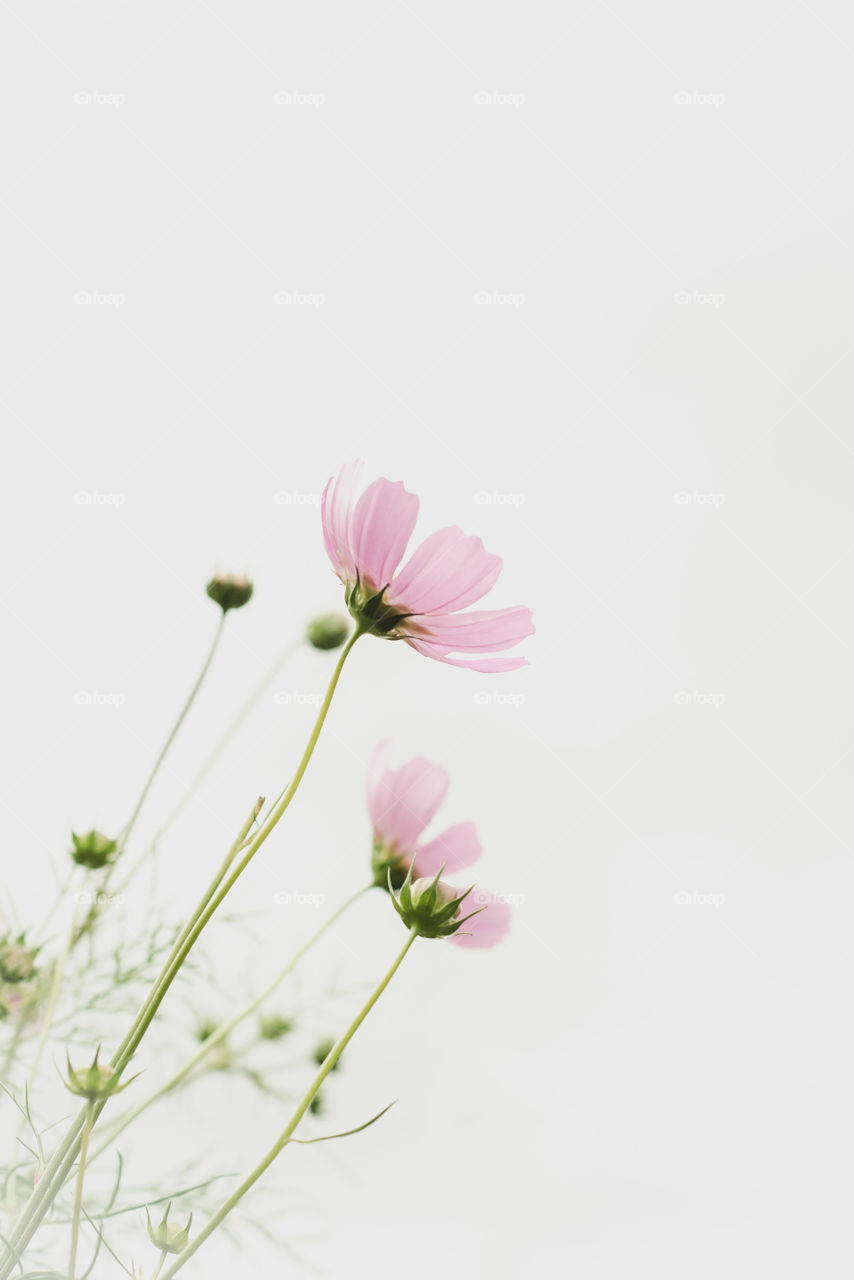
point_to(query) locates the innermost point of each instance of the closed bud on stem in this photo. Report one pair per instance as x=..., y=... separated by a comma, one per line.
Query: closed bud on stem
x=230, y=590
x=430, y=906
x=322, y=1052
x=93, y=850
x=166, y=1235
x=329, y=631
x=94, y=1082
x=273, y=1027
x=17, y=960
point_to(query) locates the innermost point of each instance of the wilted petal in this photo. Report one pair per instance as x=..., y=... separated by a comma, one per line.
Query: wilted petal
x=457, y=847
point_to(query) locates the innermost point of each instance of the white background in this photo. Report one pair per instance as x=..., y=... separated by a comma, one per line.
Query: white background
x=653, y=1075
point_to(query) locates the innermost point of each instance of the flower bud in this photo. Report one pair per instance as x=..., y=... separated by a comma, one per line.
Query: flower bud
x=329, y=631
x=431, y=907
x=166, y=1235
x=93, y=850
x=17, y=960
x=273, y=1027
x=94, y=1082
x=322, y=1052
x=230, y=590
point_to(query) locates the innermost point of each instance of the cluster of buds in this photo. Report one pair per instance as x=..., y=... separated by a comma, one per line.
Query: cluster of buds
x=230, y=590
x=93, y=850
x=20, y=980
x=94, y=1082
x=166, y=1235
x=429, y=906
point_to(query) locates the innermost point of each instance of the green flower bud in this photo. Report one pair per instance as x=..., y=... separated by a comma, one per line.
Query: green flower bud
x=166, y=1235
x=273, y=1027
x=317, y=1105
x=431, y=907
x=230, y=590
x=94, y=1082
x=322, y=1052
x=17, y=960
x=93, y=850
x=329, y=631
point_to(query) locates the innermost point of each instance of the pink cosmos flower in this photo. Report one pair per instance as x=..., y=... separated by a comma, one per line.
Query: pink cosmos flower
x=402, y=802
x=420, y=603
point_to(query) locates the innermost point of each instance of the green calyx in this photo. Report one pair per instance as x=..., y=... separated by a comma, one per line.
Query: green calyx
x=93, y=850
x=430, y=907
x=166, y=1235
x=388, y=866
x=372, y=613
x=94, y=1082
x=273, y=1026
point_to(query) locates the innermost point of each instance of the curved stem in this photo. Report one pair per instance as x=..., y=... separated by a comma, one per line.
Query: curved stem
x=287, y=1133
x=78, y=1190
x=159, y=1267
x=125, y=835
x=222, y=1032
x=217, y=750
x=63, y=1158
x=126, y=831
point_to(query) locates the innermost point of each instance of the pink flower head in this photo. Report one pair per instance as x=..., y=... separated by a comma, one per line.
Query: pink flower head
x=420, y=603
x=402, y=802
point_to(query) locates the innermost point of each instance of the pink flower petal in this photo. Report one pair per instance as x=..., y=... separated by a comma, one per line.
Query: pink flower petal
x=492, y=666
x=380, y=528
x=404, y=800
x=488, y=926
x=336, y=508
x=481, y=630
x=457, y=847
x=448, y=571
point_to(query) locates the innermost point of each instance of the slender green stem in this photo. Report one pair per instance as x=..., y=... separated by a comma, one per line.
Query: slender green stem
x=159, y=1267
x=62, y=1161
x=222, y=1032
x=216, y=751
x=78, y=1190
x=125, y=836
x=63, y=1158
x=287, y=1133
x=48, y=1016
